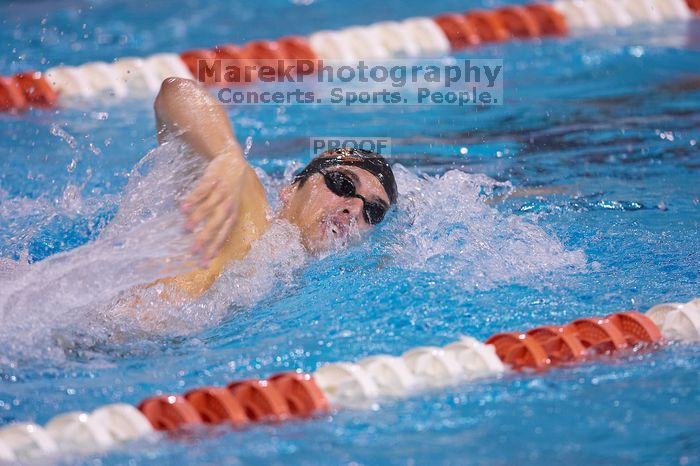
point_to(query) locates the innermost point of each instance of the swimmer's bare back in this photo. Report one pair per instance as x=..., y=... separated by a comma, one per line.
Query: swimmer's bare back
x=227, y=208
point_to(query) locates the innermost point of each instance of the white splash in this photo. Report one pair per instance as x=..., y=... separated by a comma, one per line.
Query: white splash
x=85, y=297
x=446, y=226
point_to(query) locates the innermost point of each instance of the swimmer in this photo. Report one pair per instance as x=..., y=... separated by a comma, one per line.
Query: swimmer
x=339, y=194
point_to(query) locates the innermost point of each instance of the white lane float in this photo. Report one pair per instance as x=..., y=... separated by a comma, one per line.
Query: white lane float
x=679, y=322
x=27, y=441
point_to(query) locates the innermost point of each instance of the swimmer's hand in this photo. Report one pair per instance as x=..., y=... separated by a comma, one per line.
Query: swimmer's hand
x=212, y=206
x=185, y=109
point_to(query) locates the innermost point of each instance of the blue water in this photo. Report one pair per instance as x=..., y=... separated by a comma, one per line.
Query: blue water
x=610, y=120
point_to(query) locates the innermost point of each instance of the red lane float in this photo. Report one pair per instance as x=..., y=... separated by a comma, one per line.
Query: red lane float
x=694, y=5
x=551, y=22
x=519, y=22
x=636, y=327
x=489, y=25
x=217, y=404
x=519, y=350
x=265, y=53
x=301, y=393
x=560, y=344
x=460, y=32
x=25, y=90
x=260, y=400
x=276, y=54
x=191, y=57
x=37, y=90
x=243, y=66
x=551, y=346
x=11, y=96
x=296, y=47
x=169, y=412
x=599, y=335
x=474, y=27
x=282, y=396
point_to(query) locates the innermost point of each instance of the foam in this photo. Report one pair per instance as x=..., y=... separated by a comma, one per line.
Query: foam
x=446, y=226
x=91, y=295
x=86, y=297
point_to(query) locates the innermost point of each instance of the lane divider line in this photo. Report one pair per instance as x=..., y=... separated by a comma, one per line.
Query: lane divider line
x=412, y=37
x=295, y=395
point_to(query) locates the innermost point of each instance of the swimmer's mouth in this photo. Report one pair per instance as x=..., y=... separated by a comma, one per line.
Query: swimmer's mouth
x=337, y=228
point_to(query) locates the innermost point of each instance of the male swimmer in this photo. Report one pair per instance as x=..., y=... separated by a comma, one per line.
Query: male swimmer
x=339, y=193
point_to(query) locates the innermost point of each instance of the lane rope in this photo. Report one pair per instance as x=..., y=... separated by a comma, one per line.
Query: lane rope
x=295, y=395
x=413, y=37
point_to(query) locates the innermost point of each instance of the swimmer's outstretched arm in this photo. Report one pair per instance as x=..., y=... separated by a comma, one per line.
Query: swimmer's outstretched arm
x=185, y=109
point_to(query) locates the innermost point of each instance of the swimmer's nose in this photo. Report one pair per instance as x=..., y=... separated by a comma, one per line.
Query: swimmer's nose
x=353, y=207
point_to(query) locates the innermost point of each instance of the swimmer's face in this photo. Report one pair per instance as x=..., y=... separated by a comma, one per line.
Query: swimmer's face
x=326, y=219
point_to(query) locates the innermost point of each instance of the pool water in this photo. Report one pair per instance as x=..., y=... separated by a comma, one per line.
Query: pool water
x=611, y=121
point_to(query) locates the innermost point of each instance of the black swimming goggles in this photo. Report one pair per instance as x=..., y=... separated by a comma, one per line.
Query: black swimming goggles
x=341, y=185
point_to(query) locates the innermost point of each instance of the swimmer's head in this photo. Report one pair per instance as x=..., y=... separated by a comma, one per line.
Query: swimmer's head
x=340, y=194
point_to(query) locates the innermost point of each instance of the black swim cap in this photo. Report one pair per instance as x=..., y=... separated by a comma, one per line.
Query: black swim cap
x=361, y=158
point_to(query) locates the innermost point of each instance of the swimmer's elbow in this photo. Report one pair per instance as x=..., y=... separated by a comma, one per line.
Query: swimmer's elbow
x=174, y=106
x=175, y=84
x=183, y=107
x=171, y=90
